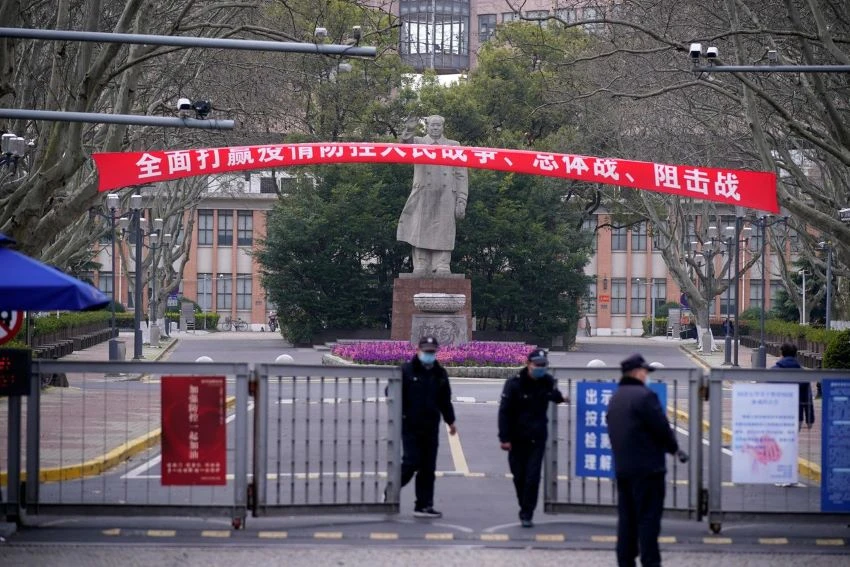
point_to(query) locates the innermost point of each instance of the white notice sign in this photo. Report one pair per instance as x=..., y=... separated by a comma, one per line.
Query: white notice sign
x=764, y=433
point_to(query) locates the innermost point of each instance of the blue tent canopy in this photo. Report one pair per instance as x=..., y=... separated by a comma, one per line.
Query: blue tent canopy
x=29, y=285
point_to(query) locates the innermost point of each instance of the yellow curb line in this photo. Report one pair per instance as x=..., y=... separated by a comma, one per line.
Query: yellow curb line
x=773, y=541
x=103, y=463
x=494, y=537
x=161, y=533
x=273, y=535
x=440, y=536
x=835, y=541
x=666, y=539
x=215, y=533
x=603, y=539
x=717, y=540
x=327, y=535
x=112, y=532
x=549, y=537
x=807, y=469
x=383, y=536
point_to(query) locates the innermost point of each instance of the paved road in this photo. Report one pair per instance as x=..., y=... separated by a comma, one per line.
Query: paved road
x=474, y=491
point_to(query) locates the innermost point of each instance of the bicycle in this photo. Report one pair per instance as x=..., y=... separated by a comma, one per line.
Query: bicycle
x=239, y=324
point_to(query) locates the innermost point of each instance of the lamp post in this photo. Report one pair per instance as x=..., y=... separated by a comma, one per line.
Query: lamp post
x=154, y=239
x=136, y=228
x=207, y=297
x=828, y=247
x=761, y=353
x=112, y=202
x=649, y=283
x=803, y=313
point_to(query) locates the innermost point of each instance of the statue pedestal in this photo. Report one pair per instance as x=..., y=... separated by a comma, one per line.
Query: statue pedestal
x=408, y=285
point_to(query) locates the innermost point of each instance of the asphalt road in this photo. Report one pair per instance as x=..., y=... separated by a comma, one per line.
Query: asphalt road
x=473, y=489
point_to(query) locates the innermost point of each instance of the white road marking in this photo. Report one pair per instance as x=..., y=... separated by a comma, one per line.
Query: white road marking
x=458, y=457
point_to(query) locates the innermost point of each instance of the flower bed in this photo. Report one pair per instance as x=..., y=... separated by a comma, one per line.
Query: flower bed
x=470, y=354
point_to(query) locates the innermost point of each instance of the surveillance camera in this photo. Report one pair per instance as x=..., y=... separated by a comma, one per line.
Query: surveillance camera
x=844, y=214
x=184, y=106
x=356, y=32
x=711, y=52
x=772, y=56
x=696, y=50
x=202, y=108
x=321, y=32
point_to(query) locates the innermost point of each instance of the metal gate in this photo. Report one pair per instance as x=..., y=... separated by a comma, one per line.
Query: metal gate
x=326, y=439
x=795, y=502
x=566, y=492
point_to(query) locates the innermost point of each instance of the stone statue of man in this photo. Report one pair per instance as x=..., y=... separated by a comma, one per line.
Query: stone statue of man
x=438, y=197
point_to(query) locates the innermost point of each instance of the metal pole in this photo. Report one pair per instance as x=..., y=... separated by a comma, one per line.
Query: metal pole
x=206, y=290
x=738, y=222
x=113, y=339
x=718, y=68
x=652, y=307
x=189, y=41
x=828, y=286
x=103, y=118
x=761, y=354
x=137, y=319
x=152, y=306
x=803, y=310
x=727, y=340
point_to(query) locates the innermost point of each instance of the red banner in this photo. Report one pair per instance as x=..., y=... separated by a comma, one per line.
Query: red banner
x=194, y=435
x=750, y=189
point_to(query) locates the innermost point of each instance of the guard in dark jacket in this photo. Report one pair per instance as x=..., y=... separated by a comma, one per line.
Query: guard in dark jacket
x=523, y=428
x=640, y=438
x=806, y=412
x=426, y=395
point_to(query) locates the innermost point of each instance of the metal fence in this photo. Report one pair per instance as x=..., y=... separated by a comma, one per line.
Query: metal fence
x=565, y=491
x=799, y=501
x=326, y=439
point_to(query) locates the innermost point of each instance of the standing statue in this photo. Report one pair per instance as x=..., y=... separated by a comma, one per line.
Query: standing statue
x=438, y=197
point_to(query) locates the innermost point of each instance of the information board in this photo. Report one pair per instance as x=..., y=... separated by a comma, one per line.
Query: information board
x=835, y=446
x=194, y=435
x=764, y=433
x=593, y=446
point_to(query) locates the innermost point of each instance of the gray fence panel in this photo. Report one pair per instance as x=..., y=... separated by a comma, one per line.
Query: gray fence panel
x=727, y=500
x=108, y=397
x=564, y=492
x=327, y=439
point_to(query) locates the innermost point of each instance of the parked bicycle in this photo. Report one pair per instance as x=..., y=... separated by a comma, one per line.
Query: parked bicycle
x=239, y=324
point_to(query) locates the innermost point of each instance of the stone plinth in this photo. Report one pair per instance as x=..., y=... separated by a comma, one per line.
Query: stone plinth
x=406, y=286
x=448, y=328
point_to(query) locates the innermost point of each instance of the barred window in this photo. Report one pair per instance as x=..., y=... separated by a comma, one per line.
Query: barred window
x=755, y=293
x=225, y=227
x=243, y=291
x=104, y=282
x=205, y=228
x=245, y=228
x=618, y=296
x=223, y=289
x=639, y=296
x=486, y=27
x=618, y=238
x=205, y=291
x=589, y=226
x=639, y=236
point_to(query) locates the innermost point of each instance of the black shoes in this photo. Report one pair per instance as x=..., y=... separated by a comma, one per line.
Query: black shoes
x=428, y=512
x=527, y=523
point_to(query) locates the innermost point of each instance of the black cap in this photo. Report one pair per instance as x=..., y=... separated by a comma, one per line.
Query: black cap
x=635, y=361
x=428, y=343
x=538, y=357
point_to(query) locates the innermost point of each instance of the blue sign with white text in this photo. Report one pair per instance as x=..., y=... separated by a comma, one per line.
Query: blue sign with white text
x=835, y=447
x=593, y=447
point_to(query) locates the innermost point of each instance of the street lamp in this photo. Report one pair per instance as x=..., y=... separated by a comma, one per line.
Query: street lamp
x=649, y=282
x=763, y=223
x=207, y=297
x=828, y=247
x=112, y=202
x=154, y=239
x=803, y=313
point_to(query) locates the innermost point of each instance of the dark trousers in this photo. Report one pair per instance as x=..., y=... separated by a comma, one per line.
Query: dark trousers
x=419, y=457
x=525, y=459
x=640, y=502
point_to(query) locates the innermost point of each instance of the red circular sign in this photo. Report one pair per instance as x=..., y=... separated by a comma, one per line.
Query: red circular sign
x=10, y=323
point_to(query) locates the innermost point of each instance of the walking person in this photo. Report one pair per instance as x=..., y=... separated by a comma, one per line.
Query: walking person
x=640, y=438
x=426, y=396
x=523, y=428
x=806, y=413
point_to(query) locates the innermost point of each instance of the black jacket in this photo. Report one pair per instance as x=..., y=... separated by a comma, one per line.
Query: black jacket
x=425, y=394
x=639, y=431
x=522, y=410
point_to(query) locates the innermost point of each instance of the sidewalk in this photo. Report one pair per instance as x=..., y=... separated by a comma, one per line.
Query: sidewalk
x=809, y=440
x=96, y=422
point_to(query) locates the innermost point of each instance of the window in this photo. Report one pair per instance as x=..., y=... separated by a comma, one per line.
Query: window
x=268, y=185
x=638, y=296
x=657, y=240
x=755, y=239
x=618, y=238
x=223, y=290
x=569, y=15
x=589, y=226
x=486, y=27
x=755, y=293
x=243, y=292
x=205, y=228
x=205, y=291
x=659, y=292
x=225, y=227
x=540, y=15
x=794, y=239
x=104, y=283
x=727, y=300
x=245, y=228
x=589, y=300
x=509, y=16
x=775, y=287
x=639, y=236
x=618, y=296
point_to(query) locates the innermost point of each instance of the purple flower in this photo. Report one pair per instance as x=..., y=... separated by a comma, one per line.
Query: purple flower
x=473, y=353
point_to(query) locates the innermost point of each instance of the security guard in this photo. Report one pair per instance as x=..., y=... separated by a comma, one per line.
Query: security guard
x=426, y=395
x=640, y=438
x=523, y=428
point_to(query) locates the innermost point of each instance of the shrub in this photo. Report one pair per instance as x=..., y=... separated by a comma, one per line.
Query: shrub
x=837, y=353
x=663, y=311
x=751, y=314
x=660, y=326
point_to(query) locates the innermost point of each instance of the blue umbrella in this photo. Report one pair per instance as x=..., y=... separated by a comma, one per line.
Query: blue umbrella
x=28, y=285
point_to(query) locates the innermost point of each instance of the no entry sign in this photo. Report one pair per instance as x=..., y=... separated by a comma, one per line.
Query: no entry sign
x=10, y=324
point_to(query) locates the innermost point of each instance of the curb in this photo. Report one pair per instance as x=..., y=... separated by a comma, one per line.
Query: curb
x=807, y=469
x=103, y=463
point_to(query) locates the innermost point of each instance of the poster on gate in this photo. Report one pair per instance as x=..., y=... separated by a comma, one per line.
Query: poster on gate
x=835, y=446
x=593, y=447
x=194, y=434
x=764, y=433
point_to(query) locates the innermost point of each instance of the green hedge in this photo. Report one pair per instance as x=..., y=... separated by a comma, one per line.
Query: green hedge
x=837, y=353
x=51, y=323
x=792, y=331
x=212, y=319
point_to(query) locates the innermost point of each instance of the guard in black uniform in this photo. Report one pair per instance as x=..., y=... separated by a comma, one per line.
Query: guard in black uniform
x=523, y=428
x=640, y=438
x=426, y=395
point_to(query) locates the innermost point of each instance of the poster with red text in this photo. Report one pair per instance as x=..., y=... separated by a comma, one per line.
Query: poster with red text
x=194, y=434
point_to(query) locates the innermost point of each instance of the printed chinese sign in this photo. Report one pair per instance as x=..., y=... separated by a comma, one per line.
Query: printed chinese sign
x=593, y=446
x=835, y=446
x=750, y=189
x=194, y=437
x=764, y=433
